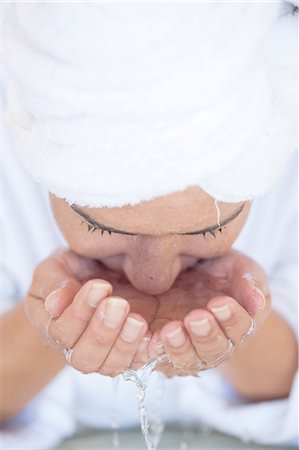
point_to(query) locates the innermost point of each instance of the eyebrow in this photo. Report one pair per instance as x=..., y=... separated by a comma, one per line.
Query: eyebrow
x=99, y=225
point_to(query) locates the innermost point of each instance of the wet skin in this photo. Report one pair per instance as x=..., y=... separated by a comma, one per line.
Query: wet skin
x=165, y=285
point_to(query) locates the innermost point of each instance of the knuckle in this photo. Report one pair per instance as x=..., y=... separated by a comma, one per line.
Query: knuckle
x=79, y=314
x=59, y=339
x=213, y=340
x=123, y=347
x=215, y=351
x=98, y=337
x=81, y=366
x=58, y=334
x=110, y=371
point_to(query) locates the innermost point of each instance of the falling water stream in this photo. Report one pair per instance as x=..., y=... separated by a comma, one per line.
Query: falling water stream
x=141, y=378
x=191, y=290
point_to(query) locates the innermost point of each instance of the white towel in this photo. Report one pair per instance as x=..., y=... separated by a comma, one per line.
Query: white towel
x=116, y=103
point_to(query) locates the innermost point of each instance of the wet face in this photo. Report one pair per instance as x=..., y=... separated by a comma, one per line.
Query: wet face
x=152, y=242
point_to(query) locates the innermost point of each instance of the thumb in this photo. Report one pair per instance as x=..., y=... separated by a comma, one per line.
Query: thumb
x=56, y=280
x=249, y=284
x=243, y=279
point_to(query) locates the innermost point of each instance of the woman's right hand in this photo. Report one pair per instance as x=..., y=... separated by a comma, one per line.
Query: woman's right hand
x=85, y=317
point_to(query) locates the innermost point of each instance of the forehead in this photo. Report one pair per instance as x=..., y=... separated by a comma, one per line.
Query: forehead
x=181, y=211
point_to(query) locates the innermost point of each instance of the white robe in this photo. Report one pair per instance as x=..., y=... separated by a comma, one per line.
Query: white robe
x=73, y=400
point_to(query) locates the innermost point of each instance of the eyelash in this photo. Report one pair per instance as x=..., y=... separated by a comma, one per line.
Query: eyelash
x=92, y=228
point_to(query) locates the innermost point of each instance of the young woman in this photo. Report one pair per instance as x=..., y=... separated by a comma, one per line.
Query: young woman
x=172, y=239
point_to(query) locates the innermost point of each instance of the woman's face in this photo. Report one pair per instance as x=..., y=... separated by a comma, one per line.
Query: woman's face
x=151, y=242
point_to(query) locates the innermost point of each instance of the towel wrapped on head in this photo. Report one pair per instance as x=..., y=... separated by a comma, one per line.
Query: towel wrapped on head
x=118, y=103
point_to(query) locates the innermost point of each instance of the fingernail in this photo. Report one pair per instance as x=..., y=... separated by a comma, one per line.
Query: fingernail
x=260, y=300
x=222, y=312
x=97, y=292
x=52, y=301
x=177, y=337
x=157, y=347
x=201, y=327
x=143, y=345
x=114, y=312
x=131, y=329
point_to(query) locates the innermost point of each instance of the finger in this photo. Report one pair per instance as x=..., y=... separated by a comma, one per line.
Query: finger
x=231, y=316
x=246, y=279
x=141, y=356
x=179, y=349
x=155, y=346
x=156, y=349
x=206, y=336
x=35, y=307
x=248, y=283
x=122, y=353
x=249, y=293
x=68, y=328
x=93, y=347
x=57, y=279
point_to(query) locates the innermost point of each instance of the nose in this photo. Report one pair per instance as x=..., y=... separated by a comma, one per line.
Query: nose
x=153, y=264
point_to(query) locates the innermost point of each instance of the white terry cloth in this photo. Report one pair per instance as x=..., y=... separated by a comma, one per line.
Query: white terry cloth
x=74, y=400
x=115, y=103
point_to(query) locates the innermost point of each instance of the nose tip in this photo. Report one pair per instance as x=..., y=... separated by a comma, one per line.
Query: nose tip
x=149, y=287
x=152, y=289
x=152, y=280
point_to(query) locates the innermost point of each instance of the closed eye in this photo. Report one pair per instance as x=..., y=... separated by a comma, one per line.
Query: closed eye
x=93, y=225
x=92, y=228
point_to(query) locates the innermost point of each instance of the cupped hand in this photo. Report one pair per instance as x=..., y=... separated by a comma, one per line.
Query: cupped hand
x=71, y=306
x=110, y=333
x=211, y=309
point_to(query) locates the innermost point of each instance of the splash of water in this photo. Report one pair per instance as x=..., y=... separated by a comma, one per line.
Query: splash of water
x=141, y=378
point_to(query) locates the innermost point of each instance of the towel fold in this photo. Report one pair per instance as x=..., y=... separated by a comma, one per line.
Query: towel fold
x=117, y=103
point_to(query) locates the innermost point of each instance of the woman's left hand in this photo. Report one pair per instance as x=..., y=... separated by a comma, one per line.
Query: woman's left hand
x=233, y=300
x=226, y=293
